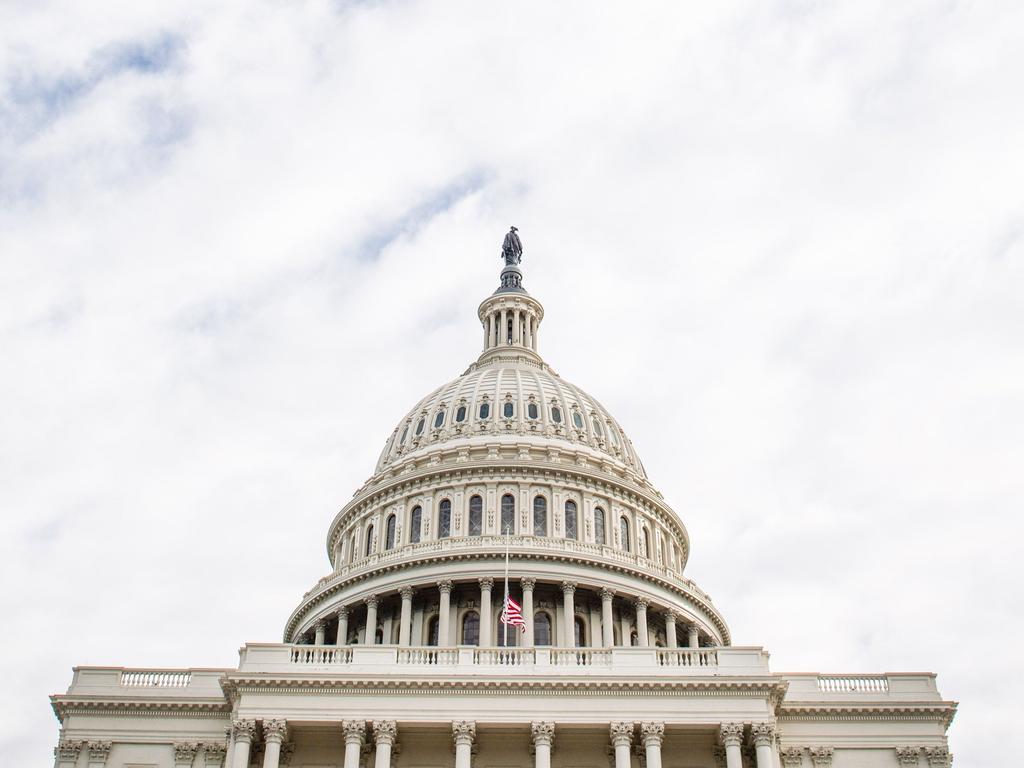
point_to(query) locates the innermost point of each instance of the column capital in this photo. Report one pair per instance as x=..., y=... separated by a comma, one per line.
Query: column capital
x=607, y=594
x=243, y=730
x=621, y=733
x=275, y=730
x=542, y=733
x=464, y=731
x=568, y=587
x=185, y=752
x=406, y=592
x=487, y=584
x=214, y=754
x=445, y=585
x=371, y=600
x=672, y=616
x=762, y=734
x=342, y=613
x=354, y=731
x=99, y=751
x=908, y=755
x=652, y=733
x=938, y=757
x=731, y=734
x=320, y=625
x=641, y=603
x=821, y=757
x=527, y=584
x=68, y=750
x=385, y=731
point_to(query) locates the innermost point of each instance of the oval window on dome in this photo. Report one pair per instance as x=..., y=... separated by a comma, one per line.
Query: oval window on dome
x=531, y=410
x=597, y=426
x=419, y=426
x=460, y=413
x=439, y=419
x=508, y=410
x=614, y=435
x=577, y=419
x=556, y=414
x=405, y=434
x=485, y=410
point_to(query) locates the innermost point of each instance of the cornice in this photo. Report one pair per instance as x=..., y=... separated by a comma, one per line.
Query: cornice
x=206, y=707
x=943, y=711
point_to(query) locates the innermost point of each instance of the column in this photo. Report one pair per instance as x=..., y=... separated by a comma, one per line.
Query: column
x=485, y=612
x=503, y=331
x=652, y=735
x=354, y=731
x=569, y=612
x=670, y=629
x=321, y=630
x=464, y=731
x=516, y=330
x=487, y=333
x=274, y=732
x=641, y=623
x=244, y=731
x=527, y=586
x=385, y=733
x=371, y=620
x=444, y=638
x=528, y=327
x=731, y=736
x=607, y=620
x=622, y=738
x=342, y=638
x=694, y=637
x=543, y=739
x=405, y=625
x=185, y=754
x=763, y=735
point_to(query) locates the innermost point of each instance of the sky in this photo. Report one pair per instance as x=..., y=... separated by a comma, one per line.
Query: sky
x=782, y=241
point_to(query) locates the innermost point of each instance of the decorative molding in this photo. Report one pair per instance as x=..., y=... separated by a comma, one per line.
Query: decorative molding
x=354, y=731
x=486, y=584
x=762, y=734
x=275, y=730
x=792, y=757
x=542, y=733
x=908, y=755
x=652, y=733
x=821, y=757
x=185, y=752
x=621, y=733
x=99, y=751
x=406, y=592
x=730, y=734
x=244, y=730
x=445, y=586
x=68, y=750
x=527, y=584
x=568, y=587
x=214, y=754
x=938, y=757
x=464, y=731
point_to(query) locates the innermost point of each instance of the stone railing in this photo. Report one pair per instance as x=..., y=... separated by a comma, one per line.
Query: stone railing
x=853, y=684
x=842, y=687
x=155, y=678
x=387, y=660
x=194, y=683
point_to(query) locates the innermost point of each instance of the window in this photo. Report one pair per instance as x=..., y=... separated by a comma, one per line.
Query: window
x=485, y=410
x=541, y=629
x=419, y=427
x=511, y=633
x=597, y=426
x=624, y=533
x=389, y=533
x=369, y=540
x=432, y=631
x=540, y=516
x=508, y=410
x=471, y=628
x=415, y=524
x=352, y=548
x=531, y=411
x=439, y=419
x=570, y=519
x=460, y=414
x=508, y=513
x=577, y=419
x=579, y=632
x=405, y=434
x=614, y=435
x=556, y=414
x=476, y=515
x=647, y=542
x=599, y=525
x=444, y=520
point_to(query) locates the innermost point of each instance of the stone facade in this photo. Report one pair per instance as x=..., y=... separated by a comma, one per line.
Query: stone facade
x=398, y=656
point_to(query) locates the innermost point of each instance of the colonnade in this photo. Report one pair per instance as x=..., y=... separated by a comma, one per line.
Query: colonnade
x=516, y=326
x=606, y=638
x=625, y=738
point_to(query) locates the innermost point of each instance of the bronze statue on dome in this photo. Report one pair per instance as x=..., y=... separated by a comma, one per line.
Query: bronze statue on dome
x=512, y=248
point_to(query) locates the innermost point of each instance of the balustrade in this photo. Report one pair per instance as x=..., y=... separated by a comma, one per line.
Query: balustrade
x=321, y=654
x=155, y=679
x=687, y=657
x=853, y=684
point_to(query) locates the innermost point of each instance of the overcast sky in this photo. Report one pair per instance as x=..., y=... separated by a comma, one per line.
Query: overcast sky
x=783, y=242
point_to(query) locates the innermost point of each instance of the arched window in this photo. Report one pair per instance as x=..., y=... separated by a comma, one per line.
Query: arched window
x=542, y=629
x=476, y=515
x=352, y=548
x=556, y=414
x=485, y=410
x=531, y=411
x=419, y=427
x=432, y=631
x=415, y=524
x=647, y=542
x=444, y=520
x=378, y=638
x=471, y=628
x=460, y=413
x=540, y=516
x=579, y=632
x=369, y=540
x=570, y=519
x=508, y=513
x=624, y=533
x=512, y=633
x=599, y=533
x=389, y=533
x=439, y=419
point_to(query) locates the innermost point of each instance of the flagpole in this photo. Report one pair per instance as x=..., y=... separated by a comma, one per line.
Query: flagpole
x=504, y=606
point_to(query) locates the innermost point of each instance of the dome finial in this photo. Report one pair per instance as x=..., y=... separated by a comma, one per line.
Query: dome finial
x=512, y=248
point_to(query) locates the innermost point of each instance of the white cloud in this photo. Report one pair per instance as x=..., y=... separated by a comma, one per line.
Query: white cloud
x=782, y=242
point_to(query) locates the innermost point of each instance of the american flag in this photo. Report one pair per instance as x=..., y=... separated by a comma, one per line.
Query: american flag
x=513, y=614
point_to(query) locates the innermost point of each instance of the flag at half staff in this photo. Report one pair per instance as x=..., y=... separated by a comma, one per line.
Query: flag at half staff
x=512, y=614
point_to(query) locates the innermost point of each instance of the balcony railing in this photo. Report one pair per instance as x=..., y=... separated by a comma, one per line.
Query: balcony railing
x=853, y=684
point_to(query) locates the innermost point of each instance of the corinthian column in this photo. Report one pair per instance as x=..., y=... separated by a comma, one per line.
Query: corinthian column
x=641, y=623
x=543, y=739
x=694, y=637
x=622, y=739
x=652, y=735
x=444, y=636
x=243, y=731
x=607, y=628
x=731, y=736
x=371, y=620
x=464, y=731
x=670, y=629
x=569, y=610
x=405, y=622
x=385, y=733
x=354, y=731
x=527, y=586
x=342, y=638
x=763, y=735
x=321, y=630
x=485, y=612
x=274, y=732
